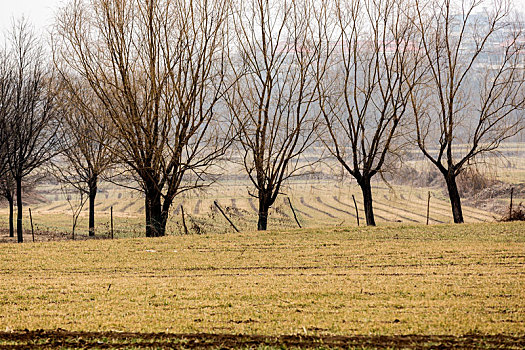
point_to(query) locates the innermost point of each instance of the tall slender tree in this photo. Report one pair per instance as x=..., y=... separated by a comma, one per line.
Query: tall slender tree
x=86, y=148
x=367, y=59
x=32, y=129
x=272, y=102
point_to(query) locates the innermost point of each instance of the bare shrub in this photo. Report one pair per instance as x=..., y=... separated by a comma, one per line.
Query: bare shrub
x=515, y=215
x=472, y=181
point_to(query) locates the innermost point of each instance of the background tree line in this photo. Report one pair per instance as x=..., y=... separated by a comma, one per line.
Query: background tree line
x=167, y=90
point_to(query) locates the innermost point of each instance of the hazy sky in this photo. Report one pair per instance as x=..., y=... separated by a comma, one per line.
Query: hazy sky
x=41, y=12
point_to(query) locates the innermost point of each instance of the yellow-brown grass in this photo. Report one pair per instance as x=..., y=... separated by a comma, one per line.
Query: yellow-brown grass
x=446, y=279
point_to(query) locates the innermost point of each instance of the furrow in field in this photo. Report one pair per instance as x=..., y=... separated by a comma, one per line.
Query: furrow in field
x=56, y=207
x=389, y=210
x=282, y=210
x=177, y=209
x=107, y=207
x=250, y=200
x=197, y=208
x=303, y=202
x=468, y=212
x=299, y=211
x=361, y=213
x=409, y=208
x=445, y=205
x=127, y=206
x=436, y=207
x=334, y=208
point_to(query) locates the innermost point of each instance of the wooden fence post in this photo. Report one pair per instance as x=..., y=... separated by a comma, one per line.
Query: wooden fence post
x=183, y=220
x=428, y=207
x=111, y=223
x=224, y=214
x=293, y=211
x=32, y=229
x=356, y=211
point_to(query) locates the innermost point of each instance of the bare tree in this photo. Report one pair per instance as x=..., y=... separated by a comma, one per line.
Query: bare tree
x=473, y=96
x=274, y=93
x=86, y=146
x=366, y=62
x=32, y=127
x=76, y=202
x=157, y=69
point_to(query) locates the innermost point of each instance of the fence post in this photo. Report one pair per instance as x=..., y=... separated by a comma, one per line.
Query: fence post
x=183, y=220
x=356, y=211
x=111, y=222
x=223, y=214
x=293, y=211
x=32, y=229
x=428, y=207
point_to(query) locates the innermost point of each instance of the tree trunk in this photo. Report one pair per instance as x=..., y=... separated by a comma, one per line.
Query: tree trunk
x=155, y=220
x=92, y=195
x=366, y=189
x=157, y=223
x=262, y=224
x=147, y=209
x=11, y=215
x=19, y=207
x=455, y=200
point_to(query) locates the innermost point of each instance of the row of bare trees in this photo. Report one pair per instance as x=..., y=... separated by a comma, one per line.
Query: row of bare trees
x=166, y=90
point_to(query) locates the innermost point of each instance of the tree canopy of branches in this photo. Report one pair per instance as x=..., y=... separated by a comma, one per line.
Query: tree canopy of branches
x=6, y=95
x=367, y=59
x=85, y=148
x=473, y=96
x=32, y=120
x=157, y=68
x=274, y=92
x=6, y=105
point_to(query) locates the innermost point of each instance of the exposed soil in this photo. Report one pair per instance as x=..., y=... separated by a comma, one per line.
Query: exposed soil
x=64, y=339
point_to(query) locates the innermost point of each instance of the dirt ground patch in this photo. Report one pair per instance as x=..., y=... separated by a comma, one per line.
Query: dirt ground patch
x=64, y=339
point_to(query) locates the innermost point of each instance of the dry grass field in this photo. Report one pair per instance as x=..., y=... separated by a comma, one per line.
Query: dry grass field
x=441, y=284
x=330, y=285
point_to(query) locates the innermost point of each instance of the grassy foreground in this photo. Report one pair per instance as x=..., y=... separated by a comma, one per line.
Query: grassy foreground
x=444, y=280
